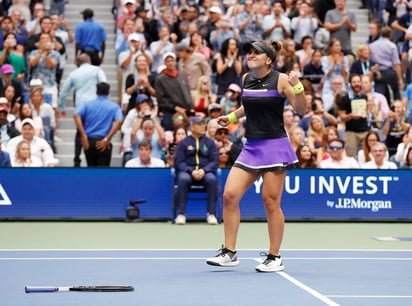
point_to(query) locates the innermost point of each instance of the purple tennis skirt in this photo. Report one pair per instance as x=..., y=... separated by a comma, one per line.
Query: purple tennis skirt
x=267, y=155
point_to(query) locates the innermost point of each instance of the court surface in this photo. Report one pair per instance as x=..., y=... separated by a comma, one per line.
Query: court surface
x=336, y=264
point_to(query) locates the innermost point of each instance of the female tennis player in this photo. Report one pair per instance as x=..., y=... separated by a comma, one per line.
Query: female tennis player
x=267, y=151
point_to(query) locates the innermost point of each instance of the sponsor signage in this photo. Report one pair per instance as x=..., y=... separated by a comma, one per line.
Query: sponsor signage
x=105, y=193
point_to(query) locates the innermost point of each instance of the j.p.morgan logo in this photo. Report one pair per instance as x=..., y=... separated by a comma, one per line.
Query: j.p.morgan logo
x=4, y=198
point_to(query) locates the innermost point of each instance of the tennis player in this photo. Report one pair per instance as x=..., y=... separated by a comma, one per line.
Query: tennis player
x=267, y=151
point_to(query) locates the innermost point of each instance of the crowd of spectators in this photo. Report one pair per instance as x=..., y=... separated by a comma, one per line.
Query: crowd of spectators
x=180, y=59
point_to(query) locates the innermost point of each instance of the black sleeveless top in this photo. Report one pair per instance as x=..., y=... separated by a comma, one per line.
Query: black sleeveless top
x=263, y=107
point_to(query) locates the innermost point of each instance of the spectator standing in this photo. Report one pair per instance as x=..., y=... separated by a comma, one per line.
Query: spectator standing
x=195, y=161
x=159, y=48
x=33, y=25
x=385, y=54
x=41, y=152
x=127, y=60
x=4, y=157
x=98, y=121
x=83, y=80
x=379, y=152
x=173, y=92
x=224, y=31
x=90, y=38
x=13, y=56
x=305, y=24
x=193, y=64
x=379, y=100
x=335, y=63
x=249, y=22
x=364, y=64
x=140, y=81
x=145, y=159
x=338, y=159
x=341, y=22
x=44, y=62
x=228, y=65
x=353, y=112
x=276, y=26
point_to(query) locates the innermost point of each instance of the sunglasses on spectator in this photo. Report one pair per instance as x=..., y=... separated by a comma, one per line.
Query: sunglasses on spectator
x=335, y=148
x=223, y=133
x=223, y=153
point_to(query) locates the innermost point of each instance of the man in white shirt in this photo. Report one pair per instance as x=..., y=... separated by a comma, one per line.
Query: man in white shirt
x=378, y=151
x=41, y=152
x=144, y=160
x=338, y=159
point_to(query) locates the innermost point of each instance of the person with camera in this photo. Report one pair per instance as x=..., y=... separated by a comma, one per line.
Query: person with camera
x=141, y=124
x=13, y=55
x=44, y=62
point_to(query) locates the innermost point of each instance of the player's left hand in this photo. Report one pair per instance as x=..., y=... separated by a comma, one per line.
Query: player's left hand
x=293, y=78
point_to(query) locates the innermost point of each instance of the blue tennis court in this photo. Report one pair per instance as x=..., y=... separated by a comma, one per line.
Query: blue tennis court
x=181, y=277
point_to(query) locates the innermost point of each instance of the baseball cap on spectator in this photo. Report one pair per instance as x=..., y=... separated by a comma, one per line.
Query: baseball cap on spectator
x=216, y=10
x=214, y=106
x=3, y=101
x=124, y=2
x=35, y=83
x=184, y=8
x=133, y=36
x=197, y=119
x=87, y=13
x=235, y=88
x=141, y=98
x=7, y=69
x=28, y=121
x=169, y=54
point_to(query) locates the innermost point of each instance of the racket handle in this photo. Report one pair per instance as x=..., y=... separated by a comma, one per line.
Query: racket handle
x=32, y=289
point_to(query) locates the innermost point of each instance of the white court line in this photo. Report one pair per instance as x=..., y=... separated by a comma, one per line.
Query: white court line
x=196, y=250
x=199, y=258
x=309, y=290
x=372, y=296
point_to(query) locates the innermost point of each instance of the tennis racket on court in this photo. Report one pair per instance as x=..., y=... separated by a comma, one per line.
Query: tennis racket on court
x=40, y=289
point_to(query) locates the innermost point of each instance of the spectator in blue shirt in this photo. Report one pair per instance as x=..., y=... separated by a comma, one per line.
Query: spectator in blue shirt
x=4, y=157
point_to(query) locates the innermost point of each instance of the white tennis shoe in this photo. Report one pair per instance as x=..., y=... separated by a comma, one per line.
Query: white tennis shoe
x=180, y=220
x=272, y=263
x=211, y=219
x=226, y=258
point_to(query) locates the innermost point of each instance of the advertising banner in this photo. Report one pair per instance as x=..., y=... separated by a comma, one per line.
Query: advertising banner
x=73, y=193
